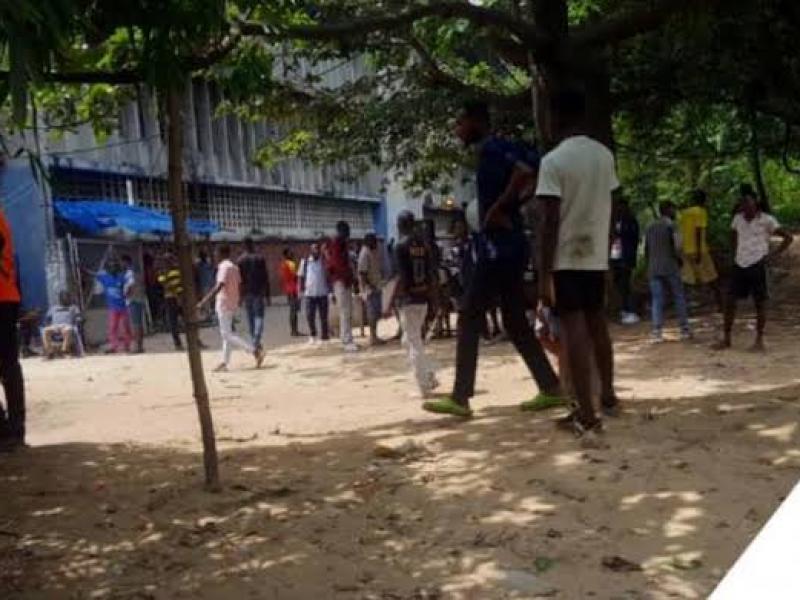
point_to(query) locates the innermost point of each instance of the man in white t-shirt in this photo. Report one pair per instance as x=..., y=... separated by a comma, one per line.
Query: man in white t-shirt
x=751, y=232
x=576, y=180
x=228, y=297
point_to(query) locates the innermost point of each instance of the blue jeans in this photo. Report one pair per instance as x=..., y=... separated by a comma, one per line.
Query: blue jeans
x=254, y=307
x=658, y=285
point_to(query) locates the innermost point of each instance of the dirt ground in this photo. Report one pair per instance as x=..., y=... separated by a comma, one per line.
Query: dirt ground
x=336, y=484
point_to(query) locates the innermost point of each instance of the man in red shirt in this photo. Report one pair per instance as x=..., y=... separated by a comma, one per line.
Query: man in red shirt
x=288, y=273
x=340, y=272
x=12, y=419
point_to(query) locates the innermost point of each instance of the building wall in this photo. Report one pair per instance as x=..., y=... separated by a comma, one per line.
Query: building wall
x=219, y=149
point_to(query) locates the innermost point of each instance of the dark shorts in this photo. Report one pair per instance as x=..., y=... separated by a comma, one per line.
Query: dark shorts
x=749, y=282
x=580, y=291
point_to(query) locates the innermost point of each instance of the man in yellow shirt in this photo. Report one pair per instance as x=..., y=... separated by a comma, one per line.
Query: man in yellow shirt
x=698, y=265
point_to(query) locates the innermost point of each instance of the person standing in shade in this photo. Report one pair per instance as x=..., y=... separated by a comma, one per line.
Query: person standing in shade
x=288, y=273
x=204, y=276
x=371, y=279
x=576, y=180
x=12, y=416
x=340, y=273
x=119, y=324
x=135, y=298
x=505, y=172
x=172, y=284
x=313, y=277
x=415, y=265
x=227, y=295
x=662, y=250
x=624, y=250
x=255, y=278
x=751, y=232
x=698, y=265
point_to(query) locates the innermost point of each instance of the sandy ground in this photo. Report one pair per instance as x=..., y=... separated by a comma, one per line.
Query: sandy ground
x=337, y=486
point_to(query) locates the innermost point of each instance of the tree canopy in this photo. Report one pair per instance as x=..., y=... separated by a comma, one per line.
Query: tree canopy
x=678, y=86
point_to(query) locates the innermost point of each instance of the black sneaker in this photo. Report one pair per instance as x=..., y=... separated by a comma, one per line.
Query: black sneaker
x=612, y=410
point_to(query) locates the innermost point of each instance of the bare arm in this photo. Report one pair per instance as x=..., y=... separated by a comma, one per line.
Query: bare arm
x=548, y=238
x=786, y=241
x=522, y=178
x=208, y=297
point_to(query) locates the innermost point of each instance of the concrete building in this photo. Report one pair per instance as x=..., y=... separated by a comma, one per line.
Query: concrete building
x=293, y=202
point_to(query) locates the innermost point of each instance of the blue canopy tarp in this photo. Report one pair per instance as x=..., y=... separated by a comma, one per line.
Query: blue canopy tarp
x=101, y=217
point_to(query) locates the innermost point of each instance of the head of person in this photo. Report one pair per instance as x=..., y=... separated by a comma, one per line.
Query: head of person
x=64, y=298
x=371, y=241
x=315, y=250
x=203, y=256
x=622, y=208
x=749, y=206
x=249, y=245
x=127, y=262
x=288, y=254
x=699, y=197
x=473, y=123
x=224, y=252
x=667, y=209
x=114, y=267
x=568, y=110
x=342, y=230
x=405, y=222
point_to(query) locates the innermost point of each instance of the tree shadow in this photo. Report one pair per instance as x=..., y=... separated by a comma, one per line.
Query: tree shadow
x=499, y=507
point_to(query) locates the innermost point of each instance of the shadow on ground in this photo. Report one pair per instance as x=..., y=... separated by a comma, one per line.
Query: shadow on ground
x=500, y=507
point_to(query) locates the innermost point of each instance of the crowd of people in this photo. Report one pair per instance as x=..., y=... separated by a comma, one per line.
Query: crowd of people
x=678, y=256
x=545, y=270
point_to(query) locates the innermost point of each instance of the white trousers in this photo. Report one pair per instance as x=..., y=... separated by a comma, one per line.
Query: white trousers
x=344, y=301
x=229, y=339
x=412, y=317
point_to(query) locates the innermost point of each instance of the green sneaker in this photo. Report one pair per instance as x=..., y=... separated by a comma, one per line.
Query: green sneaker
x=543, y=401
x=447, y=406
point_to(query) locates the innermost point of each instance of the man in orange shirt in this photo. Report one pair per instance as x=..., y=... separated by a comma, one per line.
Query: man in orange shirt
x=12, y=418
x=289, y=282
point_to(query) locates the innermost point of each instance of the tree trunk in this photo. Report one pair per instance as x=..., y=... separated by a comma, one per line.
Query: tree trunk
x=755, y=162
x=183, y=247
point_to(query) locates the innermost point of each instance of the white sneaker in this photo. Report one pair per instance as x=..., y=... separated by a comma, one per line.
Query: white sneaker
x=312, y=341
x=657, y=338
x=630, y=319
x=351, y=347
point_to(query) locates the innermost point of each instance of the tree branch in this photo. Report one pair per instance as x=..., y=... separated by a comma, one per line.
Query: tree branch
x=438, y=76
x=618, y=28
x=123, y=77
x=478, y=15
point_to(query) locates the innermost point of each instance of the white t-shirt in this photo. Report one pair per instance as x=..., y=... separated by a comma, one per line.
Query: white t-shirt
x=752, y=244
x=231, y=279
x=580, y=171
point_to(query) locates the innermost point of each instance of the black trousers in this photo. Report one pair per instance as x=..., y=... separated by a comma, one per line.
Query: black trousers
x=503, y=280
x=622, y=281
x=173, y=308
x=314, y=305
x=12, y=417
x=294, y=311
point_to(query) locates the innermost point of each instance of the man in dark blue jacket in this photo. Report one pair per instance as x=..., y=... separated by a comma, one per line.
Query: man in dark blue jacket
x=624, y=252
x=506, y=172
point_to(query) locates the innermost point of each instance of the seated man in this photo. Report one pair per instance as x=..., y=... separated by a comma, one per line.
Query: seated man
x=61, y=324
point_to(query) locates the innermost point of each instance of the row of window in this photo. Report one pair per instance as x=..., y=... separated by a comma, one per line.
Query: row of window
x=234, y=208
